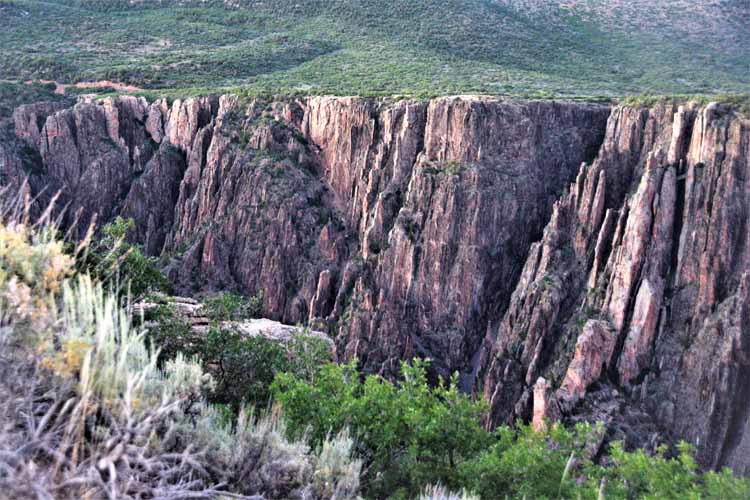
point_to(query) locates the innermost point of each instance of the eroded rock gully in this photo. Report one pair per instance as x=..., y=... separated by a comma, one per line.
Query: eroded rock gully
x=600, y=255
x=638, y=290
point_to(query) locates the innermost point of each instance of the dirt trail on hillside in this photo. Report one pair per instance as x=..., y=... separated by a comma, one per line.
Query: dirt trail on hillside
x=60, y=88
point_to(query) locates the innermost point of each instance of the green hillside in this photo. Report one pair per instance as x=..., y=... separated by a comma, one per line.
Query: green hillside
x=574, y=48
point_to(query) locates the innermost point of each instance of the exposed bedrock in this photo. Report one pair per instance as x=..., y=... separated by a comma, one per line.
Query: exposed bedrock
x=445, y=198
x=598, y=254
x=640, y=287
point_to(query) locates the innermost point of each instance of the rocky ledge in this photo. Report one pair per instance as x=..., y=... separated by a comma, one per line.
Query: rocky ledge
x=192, y=313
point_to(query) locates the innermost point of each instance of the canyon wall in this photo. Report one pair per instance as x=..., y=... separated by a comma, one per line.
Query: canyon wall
x=633, y=307
x=444, y=199
x=597, y=255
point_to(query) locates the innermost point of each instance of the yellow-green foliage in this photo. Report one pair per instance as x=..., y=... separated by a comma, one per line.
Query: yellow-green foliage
x=88, y=412
x=117, y=364
x=33, y=268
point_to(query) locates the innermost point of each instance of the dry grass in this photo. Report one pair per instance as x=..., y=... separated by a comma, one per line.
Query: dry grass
x=87, y=413
x=438, y=492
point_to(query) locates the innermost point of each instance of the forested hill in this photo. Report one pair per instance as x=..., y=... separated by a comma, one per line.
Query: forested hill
x=582, y=48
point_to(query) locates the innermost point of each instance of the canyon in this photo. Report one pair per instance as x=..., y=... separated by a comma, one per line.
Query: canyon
x=571, y=261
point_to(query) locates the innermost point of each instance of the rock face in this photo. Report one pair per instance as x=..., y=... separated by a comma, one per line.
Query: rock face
x=571, y=261
x=445, y=198
x=593, y=355
x=640, y=285
x=400, y=225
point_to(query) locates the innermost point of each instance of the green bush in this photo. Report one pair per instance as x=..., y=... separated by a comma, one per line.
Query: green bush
x=408, y=434
x=525, y=463
x=243, y=366
x=246, y=366
x=411, y=436
x=229, y=306
x=638, y=475
x=122, y=265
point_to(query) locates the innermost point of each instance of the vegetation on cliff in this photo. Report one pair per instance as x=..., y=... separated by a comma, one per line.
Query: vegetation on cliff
x=13, y=95
x=243, y=367
x=112, y=260
x=94, y=410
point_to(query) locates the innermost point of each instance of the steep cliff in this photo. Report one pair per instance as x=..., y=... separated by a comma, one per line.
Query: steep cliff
x=402, y=225
x=634, y=305
x=445, y=198
x=411, y=228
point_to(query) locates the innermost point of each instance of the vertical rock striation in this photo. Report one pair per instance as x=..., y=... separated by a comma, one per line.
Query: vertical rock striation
x=572, y=261
x=402, y=225
x=639, y=286
x=445, y=198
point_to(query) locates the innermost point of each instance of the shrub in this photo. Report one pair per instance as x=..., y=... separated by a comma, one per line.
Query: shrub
x=246, y=366
x=122, y=265
x=228, y=306
x=407, y=434
x=437, y=492
x=338, y=474
x=88, y=412
x=243, y=366
x=638, y=475
x=33, y=267
x=92, y=417
x=524, y=463
x=410, y=435
x=256, y=456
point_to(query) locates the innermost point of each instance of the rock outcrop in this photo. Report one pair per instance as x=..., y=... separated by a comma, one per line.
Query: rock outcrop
x=193, y=313
x=400, y=225
x=593, y=356
x=445, y=198
x=572, y=261
x=639, y=285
